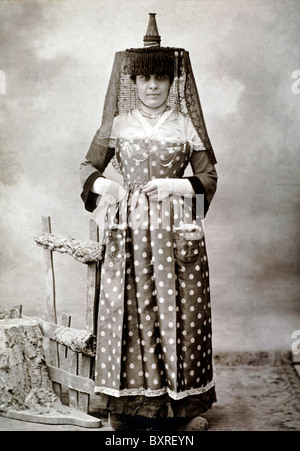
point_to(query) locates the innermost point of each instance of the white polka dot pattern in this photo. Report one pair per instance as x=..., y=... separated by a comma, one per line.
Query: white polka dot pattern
x=154, y=330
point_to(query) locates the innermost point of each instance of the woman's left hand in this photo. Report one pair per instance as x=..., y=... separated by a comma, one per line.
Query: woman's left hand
x=160, y=188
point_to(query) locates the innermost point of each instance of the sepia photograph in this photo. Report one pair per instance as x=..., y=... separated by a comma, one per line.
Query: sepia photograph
x=149, y=192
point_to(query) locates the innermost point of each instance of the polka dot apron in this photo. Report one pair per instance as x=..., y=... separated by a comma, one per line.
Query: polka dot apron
x=154, y=329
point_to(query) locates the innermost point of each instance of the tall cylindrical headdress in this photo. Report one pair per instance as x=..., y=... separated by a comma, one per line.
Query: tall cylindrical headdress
x=150, y=59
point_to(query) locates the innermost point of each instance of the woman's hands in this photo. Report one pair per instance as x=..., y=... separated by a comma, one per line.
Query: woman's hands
x=110, y=191
x=159, y=189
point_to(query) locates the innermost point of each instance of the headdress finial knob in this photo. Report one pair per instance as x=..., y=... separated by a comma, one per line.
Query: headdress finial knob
x=152, y=37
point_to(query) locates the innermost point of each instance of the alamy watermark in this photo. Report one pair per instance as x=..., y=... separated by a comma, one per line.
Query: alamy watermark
x=2, y=82
x=185, y=211
x=296, y=343
x=296, y=85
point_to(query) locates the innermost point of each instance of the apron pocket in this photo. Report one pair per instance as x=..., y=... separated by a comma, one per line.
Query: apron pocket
x=187, y=243
x=115, y=245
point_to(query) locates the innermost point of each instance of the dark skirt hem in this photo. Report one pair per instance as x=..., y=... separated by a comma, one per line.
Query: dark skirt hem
x=160, y=406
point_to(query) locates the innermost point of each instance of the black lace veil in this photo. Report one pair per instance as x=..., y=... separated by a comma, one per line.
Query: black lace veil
x=121, y=95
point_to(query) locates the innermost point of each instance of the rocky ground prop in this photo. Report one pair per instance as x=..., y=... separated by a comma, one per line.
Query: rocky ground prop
x=25, y=387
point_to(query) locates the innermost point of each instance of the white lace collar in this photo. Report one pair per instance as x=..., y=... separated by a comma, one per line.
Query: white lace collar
x=152, y=129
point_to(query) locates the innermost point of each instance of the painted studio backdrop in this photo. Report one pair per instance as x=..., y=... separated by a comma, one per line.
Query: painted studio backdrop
x=55, y=63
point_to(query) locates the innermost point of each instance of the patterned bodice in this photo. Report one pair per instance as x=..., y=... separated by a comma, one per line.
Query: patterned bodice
x=141, y=160
x=144, y=152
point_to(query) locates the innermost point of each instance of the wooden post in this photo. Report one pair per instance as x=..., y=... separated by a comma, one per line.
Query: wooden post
x=65, y=321
x=51, y=302
x=73, y=369
x=92, y=285
x=84, y=369
x=85, y=362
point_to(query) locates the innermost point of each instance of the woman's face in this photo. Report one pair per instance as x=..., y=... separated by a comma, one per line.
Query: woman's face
x=153, y=90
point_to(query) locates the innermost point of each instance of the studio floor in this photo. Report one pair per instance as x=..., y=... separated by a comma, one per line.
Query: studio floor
x=256, y=391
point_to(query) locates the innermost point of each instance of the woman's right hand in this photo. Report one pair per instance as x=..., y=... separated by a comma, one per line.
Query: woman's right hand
x=110, y=191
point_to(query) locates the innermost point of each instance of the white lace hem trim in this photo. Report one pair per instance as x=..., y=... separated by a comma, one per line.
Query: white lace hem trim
x=151, y=393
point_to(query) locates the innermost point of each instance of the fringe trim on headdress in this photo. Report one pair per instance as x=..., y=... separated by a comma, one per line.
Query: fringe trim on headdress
x=154, y=60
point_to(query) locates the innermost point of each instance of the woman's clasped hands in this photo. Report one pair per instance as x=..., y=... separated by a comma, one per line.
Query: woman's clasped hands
x=160, y=188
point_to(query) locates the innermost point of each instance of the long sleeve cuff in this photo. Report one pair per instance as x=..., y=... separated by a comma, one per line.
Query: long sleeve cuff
x=201, y=198
x=89, y=198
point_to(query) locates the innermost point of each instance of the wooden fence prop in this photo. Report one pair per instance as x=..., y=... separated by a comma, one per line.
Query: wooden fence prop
x=76, y=347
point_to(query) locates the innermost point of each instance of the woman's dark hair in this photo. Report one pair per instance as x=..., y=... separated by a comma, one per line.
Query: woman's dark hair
x=171, y=78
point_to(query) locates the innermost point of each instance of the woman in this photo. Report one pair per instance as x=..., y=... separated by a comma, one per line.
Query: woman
x=154, y=327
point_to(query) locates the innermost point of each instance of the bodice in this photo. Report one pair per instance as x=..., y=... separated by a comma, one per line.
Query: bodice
x=141, y=160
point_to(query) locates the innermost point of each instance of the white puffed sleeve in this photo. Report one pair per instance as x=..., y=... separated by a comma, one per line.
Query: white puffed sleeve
x=114, y=134
x=192, y=136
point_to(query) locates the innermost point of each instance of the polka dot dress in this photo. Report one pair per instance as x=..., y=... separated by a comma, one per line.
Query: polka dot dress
x=154, y=328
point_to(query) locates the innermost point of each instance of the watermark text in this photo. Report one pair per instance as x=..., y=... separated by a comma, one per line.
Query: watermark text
x=2, y=82
x=296, y=85
x=296, y=343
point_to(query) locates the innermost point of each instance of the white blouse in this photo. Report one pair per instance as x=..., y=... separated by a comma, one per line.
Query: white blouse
x=172, y=126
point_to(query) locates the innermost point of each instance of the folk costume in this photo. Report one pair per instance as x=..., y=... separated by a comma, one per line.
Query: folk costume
x=154, y=353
